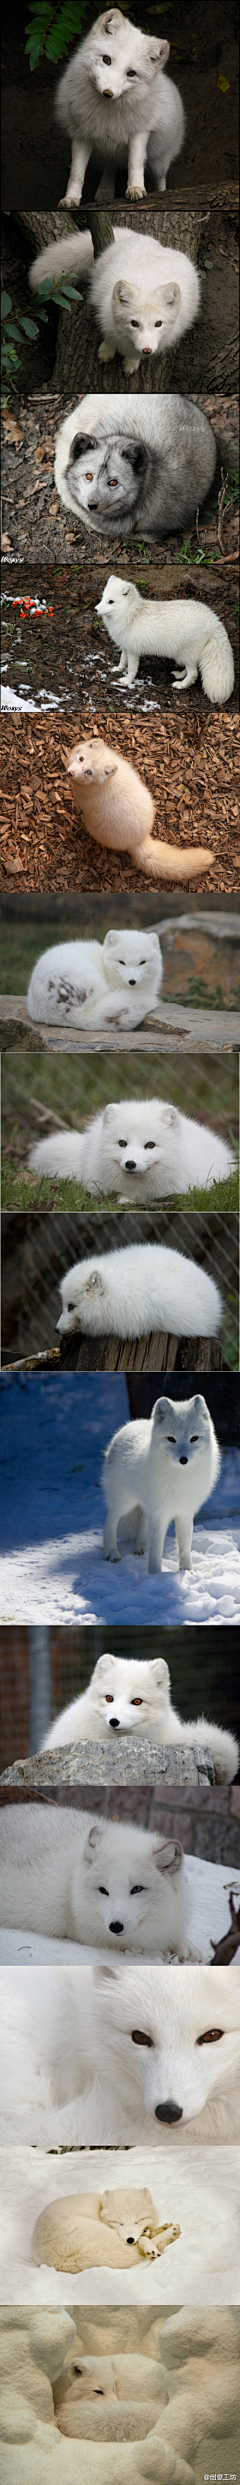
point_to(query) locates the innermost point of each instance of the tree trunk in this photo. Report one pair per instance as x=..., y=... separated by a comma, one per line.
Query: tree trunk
x=156, y=1353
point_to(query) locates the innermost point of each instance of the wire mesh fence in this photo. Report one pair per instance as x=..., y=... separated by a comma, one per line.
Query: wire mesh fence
x=203, y=1665
x=40, y=1094
x=38, y=1250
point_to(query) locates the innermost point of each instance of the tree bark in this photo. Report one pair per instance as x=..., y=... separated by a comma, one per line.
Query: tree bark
x=156, y=1353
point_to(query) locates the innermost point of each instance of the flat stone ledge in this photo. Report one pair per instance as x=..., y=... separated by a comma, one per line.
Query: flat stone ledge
x=128, y=1763
x=213, y=1030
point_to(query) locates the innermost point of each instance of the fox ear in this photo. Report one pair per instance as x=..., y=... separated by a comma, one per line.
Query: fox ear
x=160, y=1669
x=105, y=1975
x=92, y=1841
x=158, y=51
x=170, y=293
x=158, y=1411
x=125, y=293
x=168, y=1856
x=110, y=771
x=107, y=1659
x=199, y=1401
x=110, y=937
x=94, y=1283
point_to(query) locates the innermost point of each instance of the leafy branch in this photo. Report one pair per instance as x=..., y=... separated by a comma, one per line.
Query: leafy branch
x=49, y=31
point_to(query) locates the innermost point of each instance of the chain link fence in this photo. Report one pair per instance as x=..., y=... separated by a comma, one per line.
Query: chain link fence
x=38, y=1249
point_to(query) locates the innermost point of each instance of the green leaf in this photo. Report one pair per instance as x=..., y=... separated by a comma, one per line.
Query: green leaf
x=6, y=305
x=12, y=331
x=29, y=327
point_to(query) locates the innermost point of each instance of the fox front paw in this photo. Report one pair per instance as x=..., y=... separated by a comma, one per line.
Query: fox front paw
x=136, y=189
x=106, y=351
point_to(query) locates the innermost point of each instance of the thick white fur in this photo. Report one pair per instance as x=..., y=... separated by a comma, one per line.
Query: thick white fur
x=142, y=1288
x=121, y=2054
x=200, y=2351
x=113, y=2230
x=157, y=1471
x=118, y=811
x=119, y=2376
x=34, y=2455
x=174, y=474
x=136, y=318
x=113, y=97
x=84, y=984
x=189, y=632
x=49, y=1868
x=142, y=1150
x=125, y=1696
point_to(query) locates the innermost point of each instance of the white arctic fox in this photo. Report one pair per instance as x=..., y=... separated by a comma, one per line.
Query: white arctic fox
x=142, y=462
x=129, y=2052
x=128, y=1697
x=157, y=1471
x=50, y=1863
x=145, y=297
x=142, y=1288
x=188, y=631
x=81, y=984
x=118, y=811
x=142, y=1150
x=113, y=98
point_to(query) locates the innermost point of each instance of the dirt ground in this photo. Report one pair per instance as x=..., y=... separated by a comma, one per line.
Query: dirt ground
x=55, y=651
x=191, y=765
x=203, y=63
x=36, y=526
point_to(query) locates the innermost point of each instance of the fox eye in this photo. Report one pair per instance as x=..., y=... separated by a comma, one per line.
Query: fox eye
x=158, y=323
x=142, y=961
x=107, y=57
x=139, y=2037
x=122, y=1143
x=113, y=482
x=89, y=478
x=131, y=73
x=211, y=2036
x=171, y=1436
x=102, y=1892
x=193, y=1436
x=149, y=1143
x=138, y=1886
x=134, y=323
x=109, y=1698
x=136, y=1703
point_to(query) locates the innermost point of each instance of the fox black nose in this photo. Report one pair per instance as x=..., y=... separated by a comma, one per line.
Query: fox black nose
x=130, y=1166
x=183, y=1462
x=168, y=2113
x=113, y=1722
x=116, y=1928
x=132, y=980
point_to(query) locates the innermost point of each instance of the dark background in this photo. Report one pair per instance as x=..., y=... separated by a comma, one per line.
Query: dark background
x=203, y=1664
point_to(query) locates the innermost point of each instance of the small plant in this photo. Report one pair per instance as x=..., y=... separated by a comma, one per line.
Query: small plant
x=49, y=30
x=13, y=328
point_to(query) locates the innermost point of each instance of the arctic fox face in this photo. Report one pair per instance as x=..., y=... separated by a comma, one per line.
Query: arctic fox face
x=129, y=1696
x=137, y=1135
x=128, y=955
x=105, y=479
x=119, y=55
x=184, y=1429
x=145, y=321
x=125, y=1890
x=119, y=604
x=174, y=2031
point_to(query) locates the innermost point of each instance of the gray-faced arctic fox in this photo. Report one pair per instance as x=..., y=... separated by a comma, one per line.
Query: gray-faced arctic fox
x=115, y=99
x=142, y=1149
x=127, y=1697
x=144, y=463
x=188, y=631
x=157, y=1471
x=145, y=297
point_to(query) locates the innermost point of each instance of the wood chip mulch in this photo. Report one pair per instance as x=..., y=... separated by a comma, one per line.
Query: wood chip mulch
x=192, y=769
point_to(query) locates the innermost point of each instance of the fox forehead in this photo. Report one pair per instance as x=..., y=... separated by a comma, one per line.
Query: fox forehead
x=178, y=2005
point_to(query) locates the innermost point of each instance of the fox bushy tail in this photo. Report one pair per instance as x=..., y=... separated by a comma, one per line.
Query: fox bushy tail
x=172, y=862
x=71, y=256
x=217, y=665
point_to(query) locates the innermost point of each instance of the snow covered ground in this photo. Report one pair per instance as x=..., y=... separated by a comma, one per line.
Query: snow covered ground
x=200, y=2192
x=53, y=1435
x=208, y=1919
